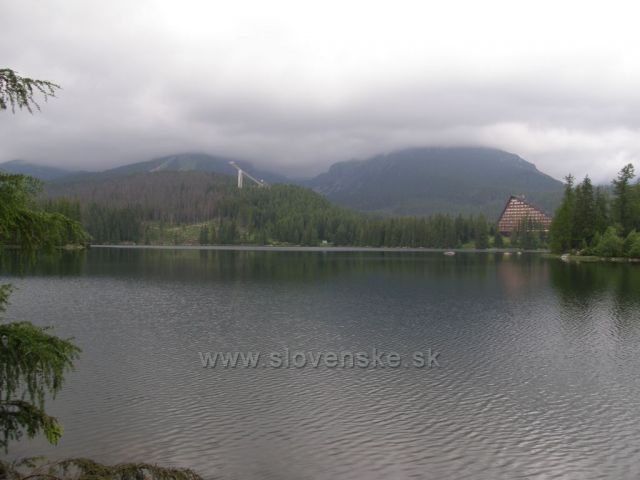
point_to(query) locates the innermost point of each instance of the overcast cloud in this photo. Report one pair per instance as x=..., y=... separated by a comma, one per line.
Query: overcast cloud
x=299, y=85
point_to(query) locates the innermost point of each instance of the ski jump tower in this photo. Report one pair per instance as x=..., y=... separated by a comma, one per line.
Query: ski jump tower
x=242, y=174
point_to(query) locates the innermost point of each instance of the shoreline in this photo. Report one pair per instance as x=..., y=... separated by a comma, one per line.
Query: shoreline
x=299, y=248
x=592, y=258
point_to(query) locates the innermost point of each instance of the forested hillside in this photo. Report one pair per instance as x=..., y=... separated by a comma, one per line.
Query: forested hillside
x=205, y=208
x=166, y=196
x=423, y=181
x=419, y=181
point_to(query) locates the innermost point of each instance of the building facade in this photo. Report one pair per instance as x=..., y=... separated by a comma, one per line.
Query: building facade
x=516, y=210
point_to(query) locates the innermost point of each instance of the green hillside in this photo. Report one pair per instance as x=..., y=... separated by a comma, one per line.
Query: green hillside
x=168, y=207
x=426, y=181
x=420, y=181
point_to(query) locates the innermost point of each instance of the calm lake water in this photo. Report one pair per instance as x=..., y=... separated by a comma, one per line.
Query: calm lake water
x=539, y=373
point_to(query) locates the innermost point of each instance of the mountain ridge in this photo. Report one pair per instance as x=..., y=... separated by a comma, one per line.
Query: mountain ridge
x=422, y=181
x=181, y=162
x=43, y=172
x=414, y=181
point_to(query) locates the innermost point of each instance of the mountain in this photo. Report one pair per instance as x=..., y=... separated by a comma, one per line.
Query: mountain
x=39, y=171
x=423, y=181
x=185, y=162
x=159, y=200
x=192, y=207
x=180, y=197
x=419, y=181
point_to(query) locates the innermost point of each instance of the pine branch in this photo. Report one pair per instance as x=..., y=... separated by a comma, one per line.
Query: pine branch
x=20, y=92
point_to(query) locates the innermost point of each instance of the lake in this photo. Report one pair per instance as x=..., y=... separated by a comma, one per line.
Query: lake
x=536, y=372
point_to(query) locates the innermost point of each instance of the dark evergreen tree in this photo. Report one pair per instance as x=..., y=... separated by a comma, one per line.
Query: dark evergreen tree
x=561, y=230
x=584, y=227
x=601, y=213
x=481, y=232
x=19, y=91
x=624, y=201
x=596, y=227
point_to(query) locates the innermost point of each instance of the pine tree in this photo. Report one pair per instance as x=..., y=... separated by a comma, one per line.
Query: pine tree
x=481, y=233
x=584, y=214
x=601, y=213
x=561, y=230
x=624, y=204
x=18, y=91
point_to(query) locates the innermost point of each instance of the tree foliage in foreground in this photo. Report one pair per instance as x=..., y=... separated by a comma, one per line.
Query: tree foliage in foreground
x=24, y=224
x=20, y=92
x=591, y=223
x=32, y=365
x=33, y=361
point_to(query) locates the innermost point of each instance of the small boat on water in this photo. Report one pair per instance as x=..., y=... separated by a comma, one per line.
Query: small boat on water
x=449, y=253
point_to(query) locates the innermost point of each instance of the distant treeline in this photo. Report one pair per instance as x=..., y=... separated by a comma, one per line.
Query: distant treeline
x=280, y=214
x=591, y=222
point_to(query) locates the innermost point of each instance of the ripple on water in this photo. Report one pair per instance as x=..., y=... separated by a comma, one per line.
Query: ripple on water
x=538, y=378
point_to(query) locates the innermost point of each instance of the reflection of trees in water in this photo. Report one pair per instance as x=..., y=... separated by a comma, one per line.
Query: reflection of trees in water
x=517, y=273
x=53, y=262
x=294, y=266
x=203, y=265
x=586, y=291
x=575, y=281
x=599, y=289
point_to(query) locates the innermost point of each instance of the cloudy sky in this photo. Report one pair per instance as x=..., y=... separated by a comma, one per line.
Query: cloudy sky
x=299, y=84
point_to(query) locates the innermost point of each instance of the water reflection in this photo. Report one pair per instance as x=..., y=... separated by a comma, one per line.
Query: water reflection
x=600, y=296
x=51, y=262
x=198, y=265
x=538, y=379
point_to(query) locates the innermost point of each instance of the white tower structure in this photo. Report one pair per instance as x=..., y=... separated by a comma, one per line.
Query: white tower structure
x=242, y=174
x=239, y=178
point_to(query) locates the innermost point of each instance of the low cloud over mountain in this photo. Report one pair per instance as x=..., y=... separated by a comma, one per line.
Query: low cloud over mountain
x=302, y=86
